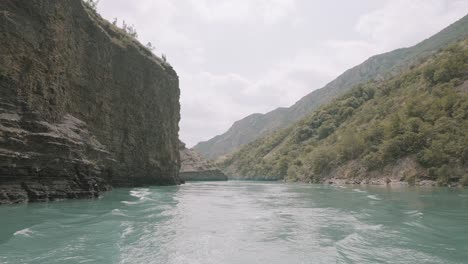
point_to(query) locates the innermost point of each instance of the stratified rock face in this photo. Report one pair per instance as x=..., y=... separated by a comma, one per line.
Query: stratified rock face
x=195, y=168
x=82, y=105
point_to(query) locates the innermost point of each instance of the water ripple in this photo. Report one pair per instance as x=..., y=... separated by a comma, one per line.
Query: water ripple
x=242, y=222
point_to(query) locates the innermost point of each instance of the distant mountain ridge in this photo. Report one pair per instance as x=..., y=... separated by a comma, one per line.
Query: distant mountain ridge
x=377, y=67
x=412, y=128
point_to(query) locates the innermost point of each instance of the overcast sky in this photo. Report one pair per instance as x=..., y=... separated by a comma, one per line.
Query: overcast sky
x=238, y=57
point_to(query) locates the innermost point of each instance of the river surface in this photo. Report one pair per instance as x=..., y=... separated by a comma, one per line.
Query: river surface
x=242, y=223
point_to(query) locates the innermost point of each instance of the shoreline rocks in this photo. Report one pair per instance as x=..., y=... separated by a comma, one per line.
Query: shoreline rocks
x=195, y=168
x=378, y=181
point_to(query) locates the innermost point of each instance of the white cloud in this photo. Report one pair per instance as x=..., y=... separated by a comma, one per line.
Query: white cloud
x=211, y=103
x=406, y=22
x=243, y=11
x=233, y=11
x=275, y=10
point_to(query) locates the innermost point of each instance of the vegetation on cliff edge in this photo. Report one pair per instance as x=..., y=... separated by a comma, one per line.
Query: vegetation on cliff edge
x=125, y=34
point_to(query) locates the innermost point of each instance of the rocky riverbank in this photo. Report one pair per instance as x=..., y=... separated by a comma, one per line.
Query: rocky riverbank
x=404, y=172
x=195, y=168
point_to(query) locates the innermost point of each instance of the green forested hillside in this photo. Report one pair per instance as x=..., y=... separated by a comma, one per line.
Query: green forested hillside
x=421, y=114
x=377, y=67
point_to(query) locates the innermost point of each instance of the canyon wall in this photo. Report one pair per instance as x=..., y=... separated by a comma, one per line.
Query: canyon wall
x=83, y=106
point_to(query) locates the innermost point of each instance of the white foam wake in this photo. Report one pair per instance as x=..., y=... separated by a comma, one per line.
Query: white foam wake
x=359, y=191
x=373, y=197
x=25, y=232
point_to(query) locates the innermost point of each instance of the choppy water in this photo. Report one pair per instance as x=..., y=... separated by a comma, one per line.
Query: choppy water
x=242, y=223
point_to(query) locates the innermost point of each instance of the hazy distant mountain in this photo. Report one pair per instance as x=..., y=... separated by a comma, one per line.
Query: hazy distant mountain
x=412, y=127
x=377, y=67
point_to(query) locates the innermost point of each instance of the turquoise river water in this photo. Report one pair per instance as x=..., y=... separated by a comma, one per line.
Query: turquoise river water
x=242, y=223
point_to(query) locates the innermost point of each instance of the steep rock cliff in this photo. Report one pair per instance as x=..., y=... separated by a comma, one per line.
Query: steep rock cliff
x=83, y=106
x=195, y=168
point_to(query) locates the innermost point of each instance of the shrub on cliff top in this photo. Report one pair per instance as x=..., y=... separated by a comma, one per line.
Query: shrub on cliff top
x=130, y=30
x=150, y=46
x=92, y=4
